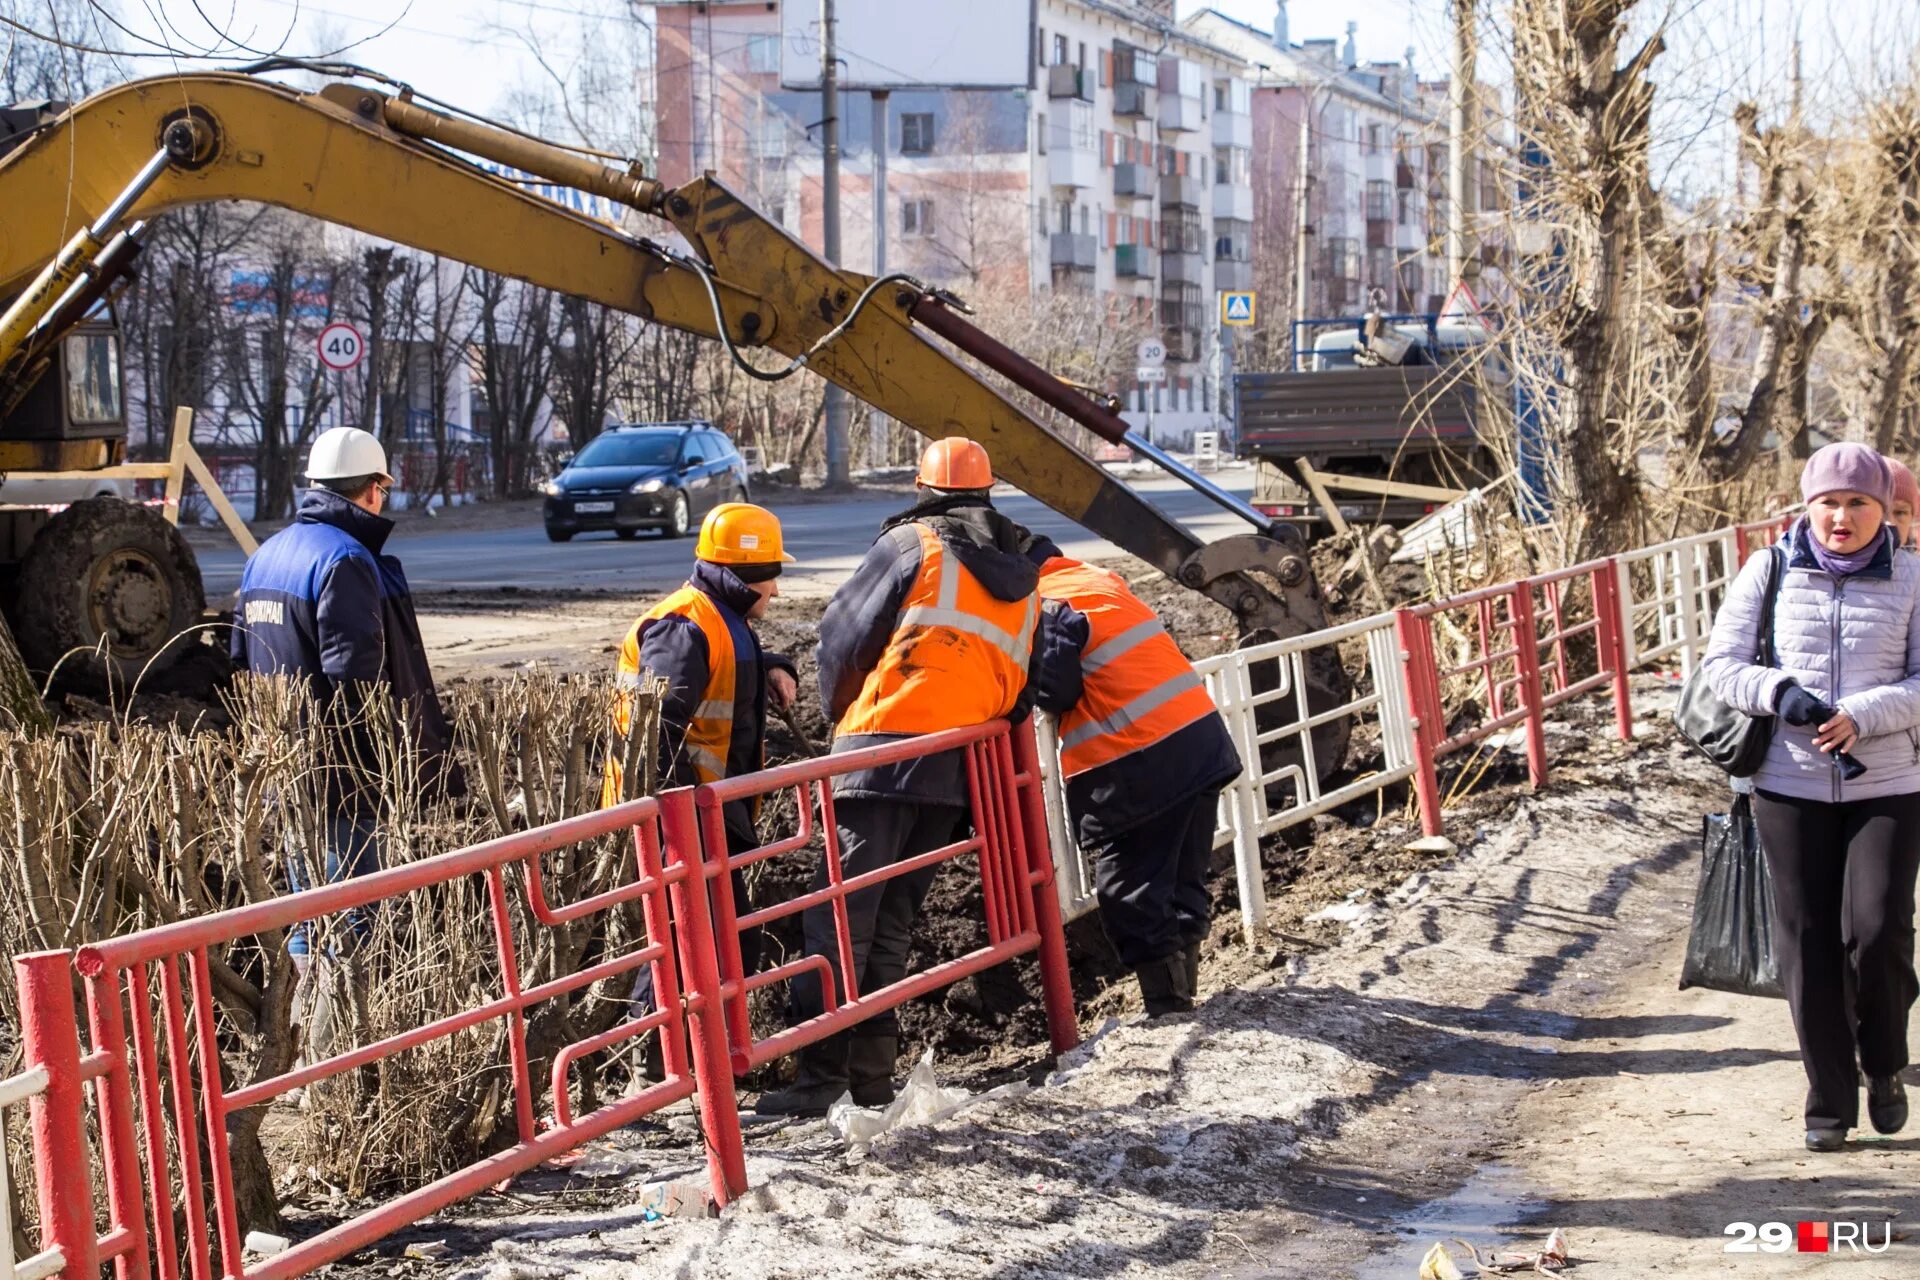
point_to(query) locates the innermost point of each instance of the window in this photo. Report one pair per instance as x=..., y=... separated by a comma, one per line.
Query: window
x=916, y=217
x=93, y=377
x=1233, y=166
x=763, y=53
x=1373, y=140
x=916, y=133
x=1082, y=64
x=1379, y=201
x=1379, y=268
x=1406, y=206
x=1072, y=130
x=1065, y=210
x=1489, y=187
x=770, y=142
x=1040, y=133
x=1219, y=95
x=1059, y=49
x=1040, y=47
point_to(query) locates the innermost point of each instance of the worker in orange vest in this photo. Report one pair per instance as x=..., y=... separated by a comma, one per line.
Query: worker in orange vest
x=1144, y=754
x=935, y=630
x=719, y=680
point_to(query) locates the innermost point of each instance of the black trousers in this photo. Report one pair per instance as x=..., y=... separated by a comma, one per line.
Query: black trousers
x=1151, y=882
x=880, y=919
x=1843, y=879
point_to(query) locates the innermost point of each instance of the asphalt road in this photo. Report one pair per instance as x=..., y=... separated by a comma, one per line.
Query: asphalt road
x=827, y=538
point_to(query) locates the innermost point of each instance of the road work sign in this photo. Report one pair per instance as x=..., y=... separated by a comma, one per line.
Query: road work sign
x=341, y=347
x=1236, y=307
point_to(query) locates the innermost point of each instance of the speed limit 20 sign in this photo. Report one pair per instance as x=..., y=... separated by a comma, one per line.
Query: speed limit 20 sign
x=341, y=347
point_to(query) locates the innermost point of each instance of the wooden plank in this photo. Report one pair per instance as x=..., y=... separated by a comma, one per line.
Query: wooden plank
x=176, y=462
x=1390, y=488
x=125, y=471
x=1320, y=495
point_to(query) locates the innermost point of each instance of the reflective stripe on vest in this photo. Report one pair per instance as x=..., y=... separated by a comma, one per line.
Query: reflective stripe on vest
x=958, y=654
x=1137, y=688
x=709, y=735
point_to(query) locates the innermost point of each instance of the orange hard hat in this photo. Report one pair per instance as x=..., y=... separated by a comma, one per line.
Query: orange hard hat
x=956, y=463
x=741, y=533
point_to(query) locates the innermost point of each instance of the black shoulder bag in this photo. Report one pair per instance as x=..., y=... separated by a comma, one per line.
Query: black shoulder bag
x=1734, y=740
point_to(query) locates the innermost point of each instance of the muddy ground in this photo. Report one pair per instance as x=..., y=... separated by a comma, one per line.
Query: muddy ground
x=1491, y=1048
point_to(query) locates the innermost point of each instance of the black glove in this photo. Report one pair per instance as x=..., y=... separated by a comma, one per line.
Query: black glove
x=1800, y=708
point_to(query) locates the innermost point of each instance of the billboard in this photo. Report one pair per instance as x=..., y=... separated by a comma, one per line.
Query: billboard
x=912, y=44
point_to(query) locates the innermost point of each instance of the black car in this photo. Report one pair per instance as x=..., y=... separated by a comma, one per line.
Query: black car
x=662, y=475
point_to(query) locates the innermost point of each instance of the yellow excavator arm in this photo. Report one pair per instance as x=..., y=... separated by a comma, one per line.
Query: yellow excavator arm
x=389, y=166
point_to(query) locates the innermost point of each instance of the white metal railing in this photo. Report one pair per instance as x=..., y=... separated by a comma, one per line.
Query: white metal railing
x=1690, y=577
x=1248, y=807
x=14, y=1090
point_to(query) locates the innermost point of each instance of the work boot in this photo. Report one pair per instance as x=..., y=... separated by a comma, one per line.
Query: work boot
x=1163, y=986
x=870, y=1062
x=1826, y=1139
x=1192, y=958
x=1887, y=1104
x=821, y=1080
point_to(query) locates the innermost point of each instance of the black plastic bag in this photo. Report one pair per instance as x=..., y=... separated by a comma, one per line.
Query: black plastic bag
x=1731, y=945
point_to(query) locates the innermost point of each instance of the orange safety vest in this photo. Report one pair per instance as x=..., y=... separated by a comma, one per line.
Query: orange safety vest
x=710, y=732
x=958, y=654
x=1137, y=687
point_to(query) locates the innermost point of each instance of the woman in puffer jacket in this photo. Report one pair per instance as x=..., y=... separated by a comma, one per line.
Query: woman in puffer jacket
x=1843, y=850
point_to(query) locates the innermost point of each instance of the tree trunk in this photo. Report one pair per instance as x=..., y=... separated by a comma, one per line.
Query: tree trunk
x=19, y=696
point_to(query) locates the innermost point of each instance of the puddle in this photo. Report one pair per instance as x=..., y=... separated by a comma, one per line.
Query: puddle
x=1488, y=1210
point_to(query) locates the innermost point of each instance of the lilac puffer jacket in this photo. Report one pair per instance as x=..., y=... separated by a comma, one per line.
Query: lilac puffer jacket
x=1853, y=642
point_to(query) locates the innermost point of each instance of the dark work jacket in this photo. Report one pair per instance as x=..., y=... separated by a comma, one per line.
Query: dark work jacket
x=860, y=620
x=674, y=649
x=1113, y=799
x=319, y=600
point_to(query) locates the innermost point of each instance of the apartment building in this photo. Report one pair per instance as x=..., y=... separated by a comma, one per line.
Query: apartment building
x=1126, y=173
x=1373, y=172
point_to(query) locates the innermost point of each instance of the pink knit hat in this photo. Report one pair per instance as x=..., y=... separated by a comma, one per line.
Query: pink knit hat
x=1854, y=468
x=1905, y=488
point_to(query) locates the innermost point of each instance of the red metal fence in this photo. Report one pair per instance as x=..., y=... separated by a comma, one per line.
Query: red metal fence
x=1505, y=655
x=161, y=1101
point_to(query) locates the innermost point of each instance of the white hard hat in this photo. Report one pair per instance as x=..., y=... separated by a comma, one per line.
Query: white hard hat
x=346, y=453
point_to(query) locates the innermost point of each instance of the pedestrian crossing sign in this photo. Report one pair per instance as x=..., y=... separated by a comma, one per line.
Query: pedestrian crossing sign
x=1236, y=307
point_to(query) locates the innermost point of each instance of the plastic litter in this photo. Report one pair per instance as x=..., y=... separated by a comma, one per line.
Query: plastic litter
x=922, y=1100
x=1462, y=1261
x=265, y=1244
x=426, y=1250
x=685, y=1197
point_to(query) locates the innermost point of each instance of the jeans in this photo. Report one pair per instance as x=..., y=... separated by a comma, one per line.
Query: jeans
x=353, y=849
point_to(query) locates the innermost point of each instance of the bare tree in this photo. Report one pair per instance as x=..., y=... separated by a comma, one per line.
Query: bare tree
x=593, y=348
x=284, y=301
x=514, y=329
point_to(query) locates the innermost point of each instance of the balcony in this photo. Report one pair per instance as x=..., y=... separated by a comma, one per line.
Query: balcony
x=1064, y=80
x=1072, y=166
x=1130, y=100
x=1404, y=177
x=1180, y=191
x=1232, y=129
x=1230, y=274
x=1131, y=262
x=1177, y=266
x=1179, y=113
x=1379, y=233
x=1182, y=344
x=1231, y=201
x=1132, y=180
x=1072, y=250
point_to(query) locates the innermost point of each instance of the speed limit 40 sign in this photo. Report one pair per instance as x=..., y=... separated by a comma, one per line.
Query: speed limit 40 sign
x=341, y=347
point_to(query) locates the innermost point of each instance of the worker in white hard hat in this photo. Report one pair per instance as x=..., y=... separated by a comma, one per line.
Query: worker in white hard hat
x=319, y=600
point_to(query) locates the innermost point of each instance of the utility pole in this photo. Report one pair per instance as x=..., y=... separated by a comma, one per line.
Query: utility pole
x=1459, y=103
x=1303, y=189
x=835, y=409
x=877, y=429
